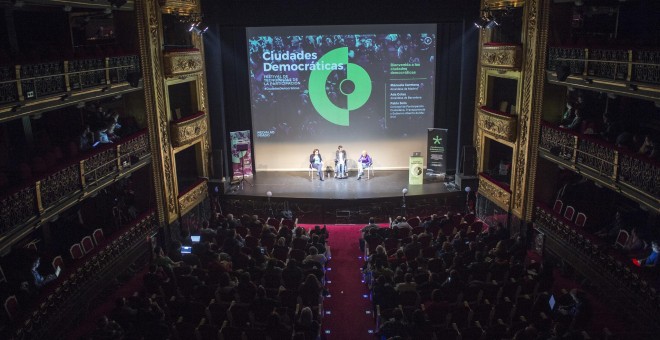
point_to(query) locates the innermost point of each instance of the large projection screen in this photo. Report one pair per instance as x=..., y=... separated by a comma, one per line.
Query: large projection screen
x=363, y=87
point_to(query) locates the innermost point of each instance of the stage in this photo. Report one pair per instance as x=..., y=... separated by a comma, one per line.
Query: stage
x=339, y=200
x=299, y=185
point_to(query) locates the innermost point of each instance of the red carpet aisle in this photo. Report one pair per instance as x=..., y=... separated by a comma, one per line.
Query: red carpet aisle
x=348, y=309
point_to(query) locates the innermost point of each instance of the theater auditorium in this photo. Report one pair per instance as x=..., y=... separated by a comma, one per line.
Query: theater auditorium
x=265, y=170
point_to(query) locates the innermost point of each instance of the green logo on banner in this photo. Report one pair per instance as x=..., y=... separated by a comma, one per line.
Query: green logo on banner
x=437, y=140
x=354, y=73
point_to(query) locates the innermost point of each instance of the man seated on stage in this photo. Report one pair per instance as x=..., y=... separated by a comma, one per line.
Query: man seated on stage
x=316, y=162
x=340, y=162
x=363, y=162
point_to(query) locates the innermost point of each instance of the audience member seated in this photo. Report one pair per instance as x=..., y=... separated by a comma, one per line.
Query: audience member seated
x=653, y=258
x=394, y=327
x=40, y=280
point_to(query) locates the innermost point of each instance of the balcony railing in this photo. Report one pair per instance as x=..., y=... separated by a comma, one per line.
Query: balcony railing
x=606, y=160
x=19, y=83
x=501, y=56
x=500, y=124
x=494, y=190
x=182, y=62
x=636, y=66
x=187, y=129
x=30, y=201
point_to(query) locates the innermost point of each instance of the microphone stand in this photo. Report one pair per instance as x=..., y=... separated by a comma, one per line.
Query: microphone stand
x=243, y=180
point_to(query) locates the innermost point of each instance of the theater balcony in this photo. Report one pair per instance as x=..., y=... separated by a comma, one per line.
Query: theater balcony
x=635, y=176
x=626, y=287
x=188, y=129
x=501, y=56
x=34, y=87
x=181, y=62
x=499, y=124
x=627, y=72
x=28, y=205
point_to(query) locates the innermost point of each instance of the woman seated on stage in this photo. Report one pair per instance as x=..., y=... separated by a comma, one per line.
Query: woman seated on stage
x=316, y=162
x=363, y=162
x=340, y=162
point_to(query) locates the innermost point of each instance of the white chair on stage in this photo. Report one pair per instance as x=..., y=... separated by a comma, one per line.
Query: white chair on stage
x=313, y=173
x=368, y=171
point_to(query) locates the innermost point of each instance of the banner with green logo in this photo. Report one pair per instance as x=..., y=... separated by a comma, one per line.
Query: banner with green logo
x=436, y=165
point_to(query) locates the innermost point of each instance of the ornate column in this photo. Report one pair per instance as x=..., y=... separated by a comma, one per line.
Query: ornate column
x=151, y=42
x=535, y=36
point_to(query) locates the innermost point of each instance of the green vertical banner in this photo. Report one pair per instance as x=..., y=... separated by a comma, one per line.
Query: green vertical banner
x=416, y=170
x=241, y=153
x=436, y=165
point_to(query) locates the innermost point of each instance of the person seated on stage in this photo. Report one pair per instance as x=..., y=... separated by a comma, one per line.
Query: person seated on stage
x=363, y=162
x=340, y=162
x=316, y=162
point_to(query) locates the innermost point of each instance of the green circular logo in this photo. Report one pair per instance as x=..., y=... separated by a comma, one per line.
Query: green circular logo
x=355, y=99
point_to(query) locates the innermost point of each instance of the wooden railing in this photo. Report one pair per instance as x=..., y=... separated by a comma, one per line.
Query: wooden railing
x=628, y=65
x=605, y=159
x=19, y=83
x=30, y=201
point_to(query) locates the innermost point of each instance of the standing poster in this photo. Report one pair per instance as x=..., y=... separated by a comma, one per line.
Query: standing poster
x=241, y=154
x=436, y=165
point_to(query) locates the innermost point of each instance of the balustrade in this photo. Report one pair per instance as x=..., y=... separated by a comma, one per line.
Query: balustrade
x=33, y=81
x=641, y=66
x=638, y=172
x=27, y=202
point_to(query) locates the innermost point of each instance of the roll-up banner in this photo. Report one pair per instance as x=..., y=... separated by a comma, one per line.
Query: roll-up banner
x=436, y=165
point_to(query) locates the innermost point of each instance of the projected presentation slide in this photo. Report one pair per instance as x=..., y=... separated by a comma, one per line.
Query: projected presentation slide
x=365, y=87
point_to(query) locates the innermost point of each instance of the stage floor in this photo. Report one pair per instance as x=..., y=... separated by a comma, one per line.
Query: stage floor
x=299, y=185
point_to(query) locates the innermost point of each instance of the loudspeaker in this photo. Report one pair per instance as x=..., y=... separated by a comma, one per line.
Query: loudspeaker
x=563, y=71
x=469, y=162
x=217, y=187
x=133, y=78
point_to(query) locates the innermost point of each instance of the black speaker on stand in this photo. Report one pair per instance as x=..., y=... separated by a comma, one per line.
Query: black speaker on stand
x=468, y=176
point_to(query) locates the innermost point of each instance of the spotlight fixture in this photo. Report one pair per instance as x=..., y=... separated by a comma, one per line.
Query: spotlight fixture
x=481, y=23
x=492, y=24
x=198, y=27
x=490, y=19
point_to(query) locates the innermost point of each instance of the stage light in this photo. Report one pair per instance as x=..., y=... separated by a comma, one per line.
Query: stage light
x=198, y=27
x=481, y=23
x=404, y=191
x=493, y=23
